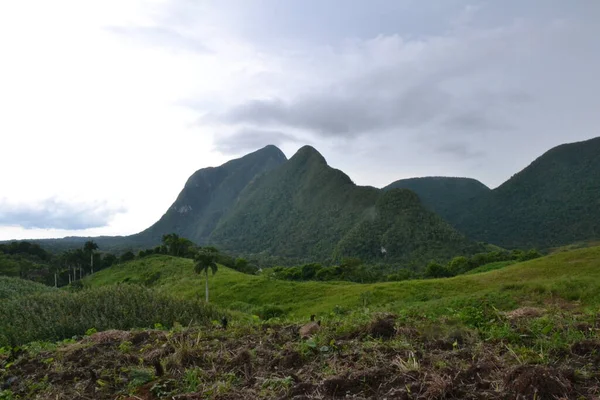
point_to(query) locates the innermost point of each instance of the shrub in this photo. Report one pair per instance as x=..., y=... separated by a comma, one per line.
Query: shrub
x=435, y=270
x=269, y=311
x=58, y=314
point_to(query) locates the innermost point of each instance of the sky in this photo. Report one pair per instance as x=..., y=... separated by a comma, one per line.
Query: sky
x=106, y=108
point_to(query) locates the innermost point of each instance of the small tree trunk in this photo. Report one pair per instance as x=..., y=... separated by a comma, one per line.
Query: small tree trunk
x=92, y=262
x=55, y=280
x=206, y=287
x=69, y=276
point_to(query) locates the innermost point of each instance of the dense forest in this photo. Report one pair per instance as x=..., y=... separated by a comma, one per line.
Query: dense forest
x=305, y=210
x=442, y=194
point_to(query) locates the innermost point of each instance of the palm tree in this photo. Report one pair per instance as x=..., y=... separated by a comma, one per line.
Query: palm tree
x=171, y=240
x=89, y=248
x=205, y=260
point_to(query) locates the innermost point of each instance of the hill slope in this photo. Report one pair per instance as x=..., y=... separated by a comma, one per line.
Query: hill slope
x=208, y=195
x=400, y=230
x=441, y=194
x=304, y=208
x=572, y=275
x=552, y=202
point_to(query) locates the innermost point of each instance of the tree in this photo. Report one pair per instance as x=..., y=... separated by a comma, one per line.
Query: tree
x=108, y=260
x=205, y=260
x=128, y=256
x=89, y=248
x=435, y=270
x=459, y=265
x=178, y=246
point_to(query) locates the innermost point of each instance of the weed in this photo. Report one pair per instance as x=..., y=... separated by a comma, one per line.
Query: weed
x=91, y=331
x=6, y=395
x=125, y=347
x=192, y=379
x=278, y=384
x=407, y=365
x=139, y=377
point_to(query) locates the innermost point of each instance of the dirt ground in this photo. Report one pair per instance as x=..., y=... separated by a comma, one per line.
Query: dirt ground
x=382, y=360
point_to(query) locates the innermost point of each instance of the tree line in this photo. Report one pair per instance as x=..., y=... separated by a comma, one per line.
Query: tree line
x=354, y=270
x=30, y=261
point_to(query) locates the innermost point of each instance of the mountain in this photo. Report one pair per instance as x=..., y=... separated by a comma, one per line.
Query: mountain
x=554, y=201
x=306, y=210
x=442, y=194
x=208, y=195
x=401, y=230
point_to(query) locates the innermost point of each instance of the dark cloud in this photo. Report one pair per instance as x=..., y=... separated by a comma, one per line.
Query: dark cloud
x=161, y=37
x=250, y=140
x=56, y=214
x=328, y=115
x=460, y=150
x=353, y=114
x=435, y=84
x=475, y=121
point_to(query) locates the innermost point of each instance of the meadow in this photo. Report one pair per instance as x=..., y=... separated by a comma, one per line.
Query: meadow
x=572, y=275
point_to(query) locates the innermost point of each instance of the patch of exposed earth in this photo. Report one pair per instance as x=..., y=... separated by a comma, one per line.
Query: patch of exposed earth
x=380, y=360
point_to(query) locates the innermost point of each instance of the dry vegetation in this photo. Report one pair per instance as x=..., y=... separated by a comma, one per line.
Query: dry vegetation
x=362, y=355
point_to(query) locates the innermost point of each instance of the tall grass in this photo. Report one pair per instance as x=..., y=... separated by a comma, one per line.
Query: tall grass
x=13, y=287
x=58, y=315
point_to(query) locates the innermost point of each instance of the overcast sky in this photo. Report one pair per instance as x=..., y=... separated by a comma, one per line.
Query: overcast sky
x=107, y=107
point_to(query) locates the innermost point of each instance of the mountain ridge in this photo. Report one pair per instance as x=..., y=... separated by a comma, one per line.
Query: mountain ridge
x=208, y=194
x=551, y=202
x=441, y=194
x=304, y=209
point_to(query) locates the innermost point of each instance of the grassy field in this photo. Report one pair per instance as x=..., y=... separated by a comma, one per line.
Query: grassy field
x=490, y=267
x=529, y=330
x=570, y=276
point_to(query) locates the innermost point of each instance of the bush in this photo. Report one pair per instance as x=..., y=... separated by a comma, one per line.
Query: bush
x=16, y=287
x=58, y=315
x=269, y=311
x=435, y=270
x=401, y=275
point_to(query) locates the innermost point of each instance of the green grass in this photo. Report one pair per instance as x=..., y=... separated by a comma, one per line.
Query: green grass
x=490, y=267
x=573, y=275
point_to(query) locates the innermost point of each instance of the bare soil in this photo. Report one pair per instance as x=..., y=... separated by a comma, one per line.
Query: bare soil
x=383, y=361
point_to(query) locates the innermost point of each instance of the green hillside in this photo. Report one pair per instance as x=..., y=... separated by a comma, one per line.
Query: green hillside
x=400, y=230
x=573, y=275
x=208, y=195
x=306, y=210
x=552, y=202
x=441, y=194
